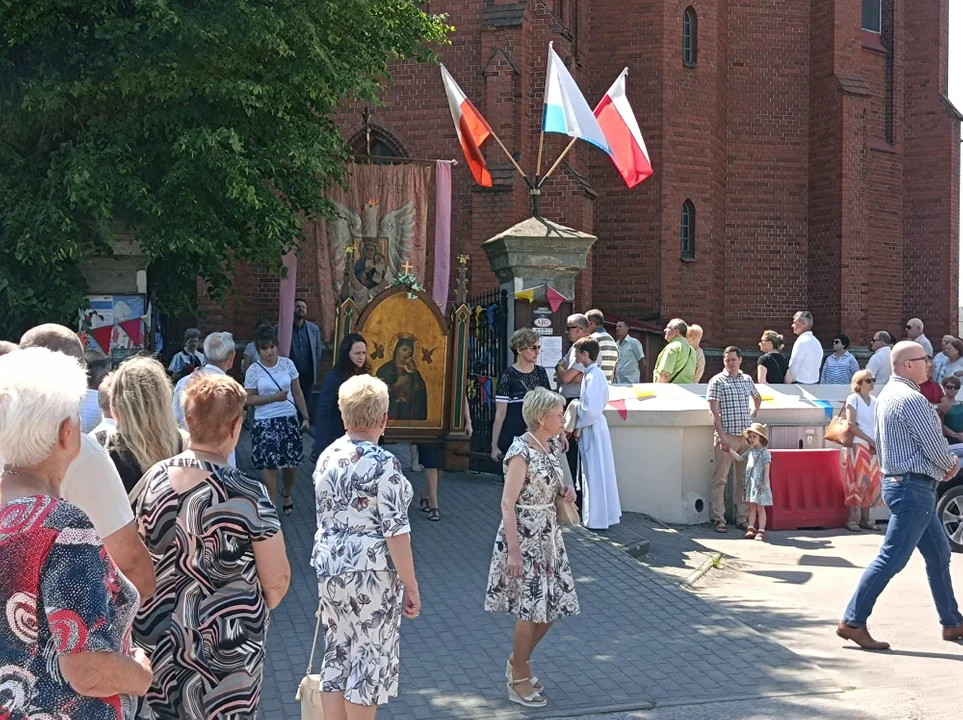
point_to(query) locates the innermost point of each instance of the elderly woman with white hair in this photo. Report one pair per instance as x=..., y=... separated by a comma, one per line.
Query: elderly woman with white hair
x=362, y=554
x=65, y=648
x=530, y=576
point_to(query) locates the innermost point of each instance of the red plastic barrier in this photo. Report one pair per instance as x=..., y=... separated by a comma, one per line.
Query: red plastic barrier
x=807, y=490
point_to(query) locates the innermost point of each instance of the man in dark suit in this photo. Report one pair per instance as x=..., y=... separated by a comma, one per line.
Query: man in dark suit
x=305, y=349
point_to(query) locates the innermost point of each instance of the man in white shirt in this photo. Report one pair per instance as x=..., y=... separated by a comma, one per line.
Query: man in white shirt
x=107, y=422
x=93, y=484
x=631, y=364
x=807, y=353
x=219, y=351
x=914, y=331
x=879, y=364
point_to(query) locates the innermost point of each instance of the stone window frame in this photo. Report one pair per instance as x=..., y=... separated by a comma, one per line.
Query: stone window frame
x=690, y=37
x=687, y=231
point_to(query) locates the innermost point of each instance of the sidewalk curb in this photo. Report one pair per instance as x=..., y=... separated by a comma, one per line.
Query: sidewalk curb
x=714, y=559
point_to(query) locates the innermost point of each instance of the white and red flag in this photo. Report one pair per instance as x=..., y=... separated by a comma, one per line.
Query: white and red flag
x=627, y=148
x=471, y=127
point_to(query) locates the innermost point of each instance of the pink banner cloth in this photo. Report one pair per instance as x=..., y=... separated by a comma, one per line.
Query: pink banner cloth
x=288, y=290
x=439, y=285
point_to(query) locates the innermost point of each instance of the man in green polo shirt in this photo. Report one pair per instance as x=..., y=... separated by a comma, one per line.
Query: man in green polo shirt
x=677, y=361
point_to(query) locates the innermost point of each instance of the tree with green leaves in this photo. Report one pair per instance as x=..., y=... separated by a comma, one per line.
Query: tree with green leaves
x=204, y=126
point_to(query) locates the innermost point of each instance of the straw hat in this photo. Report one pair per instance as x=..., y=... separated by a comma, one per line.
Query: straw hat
x=758, y=428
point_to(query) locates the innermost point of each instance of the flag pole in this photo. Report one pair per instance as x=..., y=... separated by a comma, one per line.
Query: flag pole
x=511, y=159
x=538, y=163
x=561, y=157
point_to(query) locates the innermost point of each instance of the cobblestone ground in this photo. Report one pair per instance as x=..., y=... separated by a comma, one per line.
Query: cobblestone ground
x=639, y=642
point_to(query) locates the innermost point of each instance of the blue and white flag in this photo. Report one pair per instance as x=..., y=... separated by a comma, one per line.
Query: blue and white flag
x=566, y=110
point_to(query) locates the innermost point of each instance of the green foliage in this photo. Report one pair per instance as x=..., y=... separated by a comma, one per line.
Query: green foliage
x=205, y=126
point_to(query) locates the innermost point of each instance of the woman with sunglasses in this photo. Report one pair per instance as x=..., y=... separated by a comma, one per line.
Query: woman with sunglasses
x=520, y=377
x=839, y=368
x=952, y=411
x=862, y=476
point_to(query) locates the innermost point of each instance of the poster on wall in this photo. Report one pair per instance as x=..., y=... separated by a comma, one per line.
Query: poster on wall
x=115, y=325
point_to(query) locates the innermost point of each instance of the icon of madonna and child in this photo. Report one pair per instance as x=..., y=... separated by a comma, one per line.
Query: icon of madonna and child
x=406, y=387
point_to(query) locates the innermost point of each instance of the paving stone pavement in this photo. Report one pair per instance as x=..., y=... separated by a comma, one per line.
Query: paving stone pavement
x=639, y=641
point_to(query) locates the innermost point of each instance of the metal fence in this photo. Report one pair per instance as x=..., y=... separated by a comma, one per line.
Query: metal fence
x=487, y=344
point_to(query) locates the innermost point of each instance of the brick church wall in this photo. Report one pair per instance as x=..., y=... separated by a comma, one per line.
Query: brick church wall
x=823, y=163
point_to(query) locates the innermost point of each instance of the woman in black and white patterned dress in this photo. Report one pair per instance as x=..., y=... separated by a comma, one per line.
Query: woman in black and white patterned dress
x=530, y=576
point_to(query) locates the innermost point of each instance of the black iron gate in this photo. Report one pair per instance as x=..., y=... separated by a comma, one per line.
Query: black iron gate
x=487, y=347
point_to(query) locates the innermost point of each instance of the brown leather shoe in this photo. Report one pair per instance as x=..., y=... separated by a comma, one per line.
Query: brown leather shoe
x=861, y=637
x=953, y=634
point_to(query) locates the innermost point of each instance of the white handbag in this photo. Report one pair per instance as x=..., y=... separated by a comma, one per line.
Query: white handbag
x=309, y=691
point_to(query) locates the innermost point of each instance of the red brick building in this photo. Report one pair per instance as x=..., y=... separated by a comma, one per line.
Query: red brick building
x=805, y=156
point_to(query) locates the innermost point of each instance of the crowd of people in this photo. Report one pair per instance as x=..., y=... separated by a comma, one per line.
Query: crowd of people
x=139, y=564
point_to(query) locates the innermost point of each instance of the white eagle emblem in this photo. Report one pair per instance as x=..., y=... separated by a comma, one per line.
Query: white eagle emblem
x=376, y=249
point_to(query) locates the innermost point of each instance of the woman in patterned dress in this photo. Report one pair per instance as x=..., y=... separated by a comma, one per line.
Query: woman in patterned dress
x=862, y=476
x=530, y=576
x=218, y=551
x=275, y=393
x=65, y=640
x=517, y=379
x=362, y=554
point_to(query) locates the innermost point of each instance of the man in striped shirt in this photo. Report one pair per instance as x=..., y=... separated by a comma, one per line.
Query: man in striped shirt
x=914, y=458
x=608, y=348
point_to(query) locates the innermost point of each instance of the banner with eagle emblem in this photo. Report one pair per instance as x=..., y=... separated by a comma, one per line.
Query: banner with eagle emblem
x=380, y=232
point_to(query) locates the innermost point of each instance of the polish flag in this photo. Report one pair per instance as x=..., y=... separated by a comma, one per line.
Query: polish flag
x=471, y=127
x=618, y=122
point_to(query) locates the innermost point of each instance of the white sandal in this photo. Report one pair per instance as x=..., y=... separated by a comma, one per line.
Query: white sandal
x=534, y=680
x=534, y=700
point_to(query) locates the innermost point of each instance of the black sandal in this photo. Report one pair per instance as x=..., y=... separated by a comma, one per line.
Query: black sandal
x=433, y=515
x=287, y=504
x=425, y=505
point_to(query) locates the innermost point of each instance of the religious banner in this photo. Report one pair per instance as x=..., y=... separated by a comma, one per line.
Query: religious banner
x=380, y=233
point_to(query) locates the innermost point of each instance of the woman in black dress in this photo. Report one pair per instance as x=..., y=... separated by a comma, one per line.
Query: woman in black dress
x=523, y=375
x=352, y=360
x=772, y=365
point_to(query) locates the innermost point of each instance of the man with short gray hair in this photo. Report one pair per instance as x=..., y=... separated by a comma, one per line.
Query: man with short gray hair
x=219, y=351
x=914, y=331
x=92, y=482
x=807, y=353
x=677, y=361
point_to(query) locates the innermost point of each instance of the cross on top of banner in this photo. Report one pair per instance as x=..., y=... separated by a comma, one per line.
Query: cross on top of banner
x=407, y=267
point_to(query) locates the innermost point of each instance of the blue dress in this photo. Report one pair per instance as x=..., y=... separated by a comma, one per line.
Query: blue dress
x=758, y=490
x=328, y=425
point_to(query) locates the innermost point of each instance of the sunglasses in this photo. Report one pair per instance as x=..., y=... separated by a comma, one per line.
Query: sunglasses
x=535, y=347
x=869, y=380
x=837, y=342
x=573, y=327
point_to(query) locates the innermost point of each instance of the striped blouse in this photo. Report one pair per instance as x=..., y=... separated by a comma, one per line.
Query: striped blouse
x=839, y=370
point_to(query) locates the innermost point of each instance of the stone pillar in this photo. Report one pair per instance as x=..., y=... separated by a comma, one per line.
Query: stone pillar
x=534, y=253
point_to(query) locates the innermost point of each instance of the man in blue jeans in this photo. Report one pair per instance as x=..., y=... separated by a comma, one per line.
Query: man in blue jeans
x=914, y=457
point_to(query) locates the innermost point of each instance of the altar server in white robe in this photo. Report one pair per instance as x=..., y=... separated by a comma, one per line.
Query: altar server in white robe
x=600, y=503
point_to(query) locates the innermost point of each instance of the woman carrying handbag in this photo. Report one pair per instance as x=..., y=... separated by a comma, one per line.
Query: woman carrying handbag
x=862, y=476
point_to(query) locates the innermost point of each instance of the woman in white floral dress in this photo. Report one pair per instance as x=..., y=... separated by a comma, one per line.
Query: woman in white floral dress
x=362, y=554
x=530, y=576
